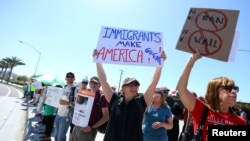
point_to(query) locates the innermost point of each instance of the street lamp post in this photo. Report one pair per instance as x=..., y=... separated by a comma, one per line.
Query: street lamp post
x=36, y=51
x=120, y=80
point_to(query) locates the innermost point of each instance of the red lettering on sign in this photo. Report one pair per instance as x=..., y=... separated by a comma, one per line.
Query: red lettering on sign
x=121, y=55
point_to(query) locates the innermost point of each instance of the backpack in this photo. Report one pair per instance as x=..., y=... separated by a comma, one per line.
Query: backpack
x=103, y=127
x=189, y=134
x=71, y=100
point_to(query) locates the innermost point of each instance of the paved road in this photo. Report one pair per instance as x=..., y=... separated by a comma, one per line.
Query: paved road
x=13, y=114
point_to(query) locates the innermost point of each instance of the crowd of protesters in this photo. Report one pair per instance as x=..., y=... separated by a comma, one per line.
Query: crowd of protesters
x=151, y=116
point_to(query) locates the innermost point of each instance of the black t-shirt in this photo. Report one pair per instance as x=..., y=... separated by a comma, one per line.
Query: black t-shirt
x=125, y=119
x=178, y=112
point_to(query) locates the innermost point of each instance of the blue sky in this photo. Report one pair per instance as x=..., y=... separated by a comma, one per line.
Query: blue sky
x=66, y=32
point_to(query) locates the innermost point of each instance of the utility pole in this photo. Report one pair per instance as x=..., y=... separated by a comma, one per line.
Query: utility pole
x=120, y=80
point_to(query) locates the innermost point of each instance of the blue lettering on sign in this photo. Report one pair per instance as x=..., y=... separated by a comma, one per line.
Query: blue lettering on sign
x=124, y=34
x=154, y=55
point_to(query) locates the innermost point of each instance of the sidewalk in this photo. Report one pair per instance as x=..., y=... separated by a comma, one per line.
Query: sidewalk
x=34, y=132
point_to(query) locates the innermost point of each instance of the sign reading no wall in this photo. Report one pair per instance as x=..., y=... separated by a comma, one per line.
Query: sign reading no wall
x=209, y=30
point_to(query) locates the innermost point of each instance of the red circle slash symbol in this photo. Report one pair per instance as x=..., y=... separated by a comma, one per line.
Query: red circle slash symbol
x=207, y=42
x=212, y=20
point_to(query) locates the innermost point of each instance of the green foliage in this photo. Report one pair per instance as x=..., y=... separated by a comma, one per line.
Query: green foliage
x=246, y=108
x=22, y=79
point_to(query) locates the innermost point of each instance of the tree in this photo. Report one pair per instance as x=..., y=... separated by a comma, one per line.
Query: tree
x=12, y=62
x=4, y=66
x=23, y=78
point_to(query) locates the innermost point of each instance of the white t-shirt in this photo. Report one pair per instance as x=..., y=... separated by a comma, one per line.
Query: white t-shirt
x=37, y=84
x=63, y=109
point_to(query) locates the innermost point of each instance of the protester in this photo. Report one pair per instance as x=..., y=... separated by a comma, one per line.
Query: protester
x=32, y=89
x=243, y=113
x=37, y=92
x=63, y=117
x=82, y=86
x=165, y=90
x=220, y=96
x=49, y=115
x=25, y=90
x=114, y=89
x=187, y=128
x=157, y=118
x=177, y=110
x=127, y=109
x=40, y=105
x=89, y=133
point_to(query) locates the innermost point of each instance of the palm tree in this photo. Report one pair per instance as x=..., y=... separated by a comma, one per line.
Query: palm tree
x=4, y=66
x=12, y=62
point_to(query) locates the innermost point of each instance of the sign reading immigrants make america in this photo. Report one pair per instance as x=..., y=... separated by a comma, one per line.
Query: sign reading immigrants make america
x=211, y=31
x=129, y=47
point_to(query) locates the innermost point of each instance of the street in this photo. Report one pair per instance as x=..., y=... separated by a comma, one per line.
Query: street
x=13, y=114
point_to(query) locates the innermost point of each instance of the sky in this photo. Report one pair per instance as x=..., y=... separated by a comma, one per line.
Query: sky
x=66, y=32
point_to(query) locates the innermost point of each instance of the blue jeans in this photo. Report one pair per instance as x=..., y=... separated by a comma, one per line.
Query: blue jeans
x=61, y=128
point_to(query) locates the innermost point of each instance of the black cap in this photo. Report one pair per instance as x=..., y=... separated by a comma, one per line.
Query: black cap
x=70, y=74
x=85, y=81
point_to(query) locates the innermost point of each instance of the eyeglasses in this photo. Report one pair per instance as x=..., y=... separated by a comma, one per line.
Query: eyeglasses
x=157, y=92
x=70, y=76
x=132, y=85
x=229, y=88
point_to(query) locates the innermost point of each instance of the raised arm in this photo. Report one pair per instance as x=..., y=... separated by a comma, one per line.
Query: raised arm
x=187, y=98
x=108, y=92
x=152, y=86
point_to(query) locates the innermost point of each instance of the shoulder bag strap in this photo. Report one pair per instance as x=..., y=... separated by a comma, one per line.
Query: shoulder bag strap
x=203, y=118
x=99, y=104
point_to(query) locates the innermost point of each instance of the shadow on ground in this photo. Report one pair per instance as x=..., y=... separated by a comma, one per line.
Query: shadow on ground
x=34, y=127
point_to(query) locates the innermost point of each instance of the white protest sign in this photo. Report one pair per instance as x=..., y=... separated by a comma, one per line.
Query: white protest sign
x=53, y=96
x=83, y=107
x=209, y=30
x=129, y=47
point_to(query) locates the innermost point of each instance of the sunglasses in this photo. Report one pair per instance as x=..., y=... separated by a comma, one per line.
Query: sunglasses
x=132, y=85
x=157, y=92
x=70, y=76
x=229, y=88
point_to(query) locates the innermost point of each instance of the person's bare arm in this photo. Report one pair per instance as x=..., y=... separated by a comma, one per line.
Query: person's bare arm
x=152, y=86
x=187, y=98
x=167, y=125
x=104, y=118
x=108, y=92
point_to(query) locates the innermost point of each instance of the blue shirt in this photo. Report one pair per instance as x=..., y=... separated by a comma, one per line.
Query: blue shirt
x=160, y=114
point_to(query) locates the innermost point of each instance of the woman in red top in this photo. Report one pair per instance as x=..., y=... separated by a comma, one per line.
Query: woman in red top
x=220, y=96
